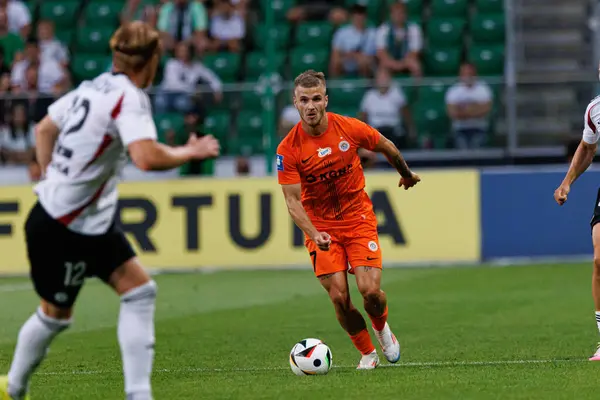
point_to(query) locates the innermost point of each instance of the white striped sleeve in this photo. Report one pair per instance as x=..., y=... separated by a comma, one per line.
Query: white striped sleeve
x=591, y=123
x=133, y=117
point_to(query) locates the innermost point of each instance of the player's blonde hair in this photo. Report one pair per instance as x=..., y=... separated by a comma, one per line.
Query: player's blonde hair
x=310, y=79
x=134, y=45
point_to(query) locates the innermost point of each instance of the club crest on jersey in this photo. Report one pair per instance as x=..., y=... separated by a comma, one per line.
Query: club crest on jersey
x=373, y=246
x=279, y=162
x=324, y=152
x=344, y=146
x=61, y=297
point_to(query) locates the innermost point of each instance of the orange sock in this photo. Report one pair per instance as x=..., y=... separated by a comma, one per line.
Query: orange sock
x=362, y=341
x=379, y=322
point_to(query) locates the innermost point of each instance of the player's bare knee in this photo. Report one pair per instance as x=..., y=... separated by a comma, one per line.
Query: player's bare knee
x=52, y=311
x=128, y=276
x=597, y=264
x=57, y=319
x=371, y=294
x=340, y=299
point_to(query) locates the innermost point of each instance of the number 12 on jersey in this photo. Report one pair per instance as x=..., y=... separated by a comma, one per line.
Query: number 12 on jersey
x=74, y=121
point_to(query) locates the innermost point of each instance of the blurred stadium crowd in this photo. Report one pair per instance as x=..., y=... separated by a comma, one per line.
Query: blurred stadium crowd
x=376, y=54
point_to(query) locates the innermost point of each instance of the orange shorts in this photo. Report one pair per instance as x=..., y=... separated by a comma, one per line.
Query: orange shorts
x=351, y=247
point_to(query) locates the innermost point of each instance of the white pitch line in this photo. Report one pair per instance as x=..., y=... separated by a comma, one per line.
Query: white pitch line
x=15, y=288
x=401, y=365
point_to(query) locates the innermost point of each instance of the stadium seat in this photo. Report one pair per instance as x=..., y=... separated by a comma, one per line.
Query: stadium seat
x=103, y=13
x=167, y=121
x=94, y=40
x=279, y=34
x=413, y=7
x=434, y=92
x=246, y=146
x=487, y=28
x=432, y=122
x=225, y=65
x=445, y=31
x=256, y=62
x=346, y=93
x=249, y=124
x=302, y=59
x=415, y=20
x=442, y=61
x=251, y=100
x=63, y=13
x=249, y=139
x=230, y=101
x=280, y=7
x=65, y=36
x=449, y=8
x=489, y=59
x=138, y=14
x=217, y=123
x=88, y=66
x=490, y=6
x=408, y=88
x=374, y=8
x=314, y=34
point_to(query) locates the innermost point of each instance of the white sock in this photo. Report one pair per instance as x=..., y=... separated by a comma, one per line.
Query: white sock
x=598, y=320
x=34, y=338
x=136, y=338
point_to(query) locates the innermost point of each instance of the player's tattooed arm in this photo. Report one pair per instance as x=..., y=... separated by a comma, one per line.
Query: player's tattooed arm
x=393, y=155
x=400, y=165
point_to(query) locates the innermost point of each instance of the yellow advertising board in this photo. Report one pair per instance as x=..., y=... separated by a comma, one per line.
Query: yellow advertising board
x=244, y=222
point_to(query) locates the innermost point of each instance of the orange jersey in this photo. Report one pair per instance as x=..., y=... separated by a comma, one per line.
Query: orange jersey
x=329, y=170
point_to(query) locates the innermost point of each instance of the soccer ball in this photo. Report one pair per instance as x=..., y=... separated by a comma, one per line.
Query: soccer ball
x=310, y=357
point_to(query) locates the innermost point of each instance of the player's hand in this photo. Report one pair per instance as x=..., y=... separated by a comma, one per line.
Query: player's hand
x=560, y=194
x=204, y=147
x=409, y=182
x=322, y=240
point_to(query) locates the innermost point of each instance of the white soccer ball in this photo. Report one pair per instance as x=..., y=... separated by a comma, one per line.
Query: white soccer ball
x=310, y=357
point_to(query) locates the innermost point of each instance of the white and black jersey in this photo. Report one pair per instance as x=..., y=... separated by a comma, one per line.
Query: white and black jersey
x=72, y=232
x=97, y=121
x=591, y=133
x=591, y=122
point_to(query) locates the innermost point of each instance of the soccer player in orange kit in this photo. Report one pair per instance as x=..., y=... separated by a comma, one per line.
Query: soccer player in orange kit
x=323, y=183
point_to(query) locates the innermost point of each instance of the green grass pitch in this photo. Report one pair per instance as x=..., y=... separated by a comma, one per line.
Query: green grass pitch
x=466, y=333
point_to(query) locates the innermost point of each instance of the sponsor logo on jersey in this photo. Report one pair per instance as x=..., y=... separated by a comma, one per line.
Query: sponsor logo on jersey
x=306, y=159
x=373, y=245
x=344, y=146
x=329, y=175
x=324, y=152
x=279, y=162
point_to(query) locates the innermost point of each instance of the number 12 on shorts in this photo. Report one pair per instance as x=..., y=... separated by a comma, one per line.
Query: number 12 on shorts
x=74, y=273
